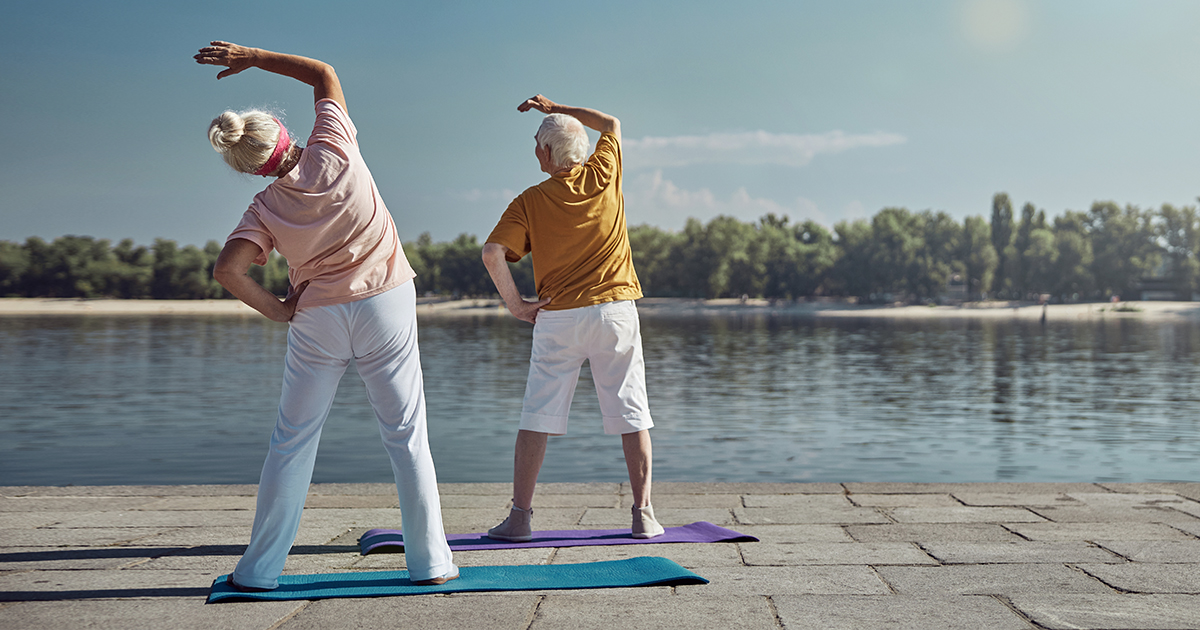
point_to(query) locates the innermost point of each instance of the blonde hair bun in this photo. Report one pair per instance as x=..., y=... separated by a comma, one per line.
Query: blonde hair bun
x=225, y=131
x=245, y=140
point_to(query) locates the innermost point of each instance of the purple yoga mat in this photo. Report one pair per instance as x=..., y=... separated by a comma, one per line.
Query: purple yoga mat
x=392, y=541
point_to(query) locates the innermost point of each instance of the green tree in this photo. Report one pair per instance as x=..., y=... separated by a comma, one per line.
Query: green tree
x=1124, y=247
x=1178, y=230
x=1002, y=238
x=1073, y=268
x=978, y=255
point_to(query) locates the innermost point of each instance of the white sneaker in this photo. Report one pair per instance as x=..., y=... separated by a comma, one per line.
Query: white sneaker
x=644, y=524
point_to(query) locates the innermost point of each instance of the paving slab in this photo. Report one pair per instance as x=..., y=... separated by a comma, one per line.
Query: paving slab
x=989, y=579
x=773, y=581
x=689, y=556
x=586, y=610
x=1098, y=531
x=477, y=520
x=817, y=501
x=813, y=514
x=1117, y=514
x=70, y=559
x=676, y=487
x=91, y=537
x=509, y=611
x=951, y=488
x=1025, y=499
x=918, y=532
x=1025, y=552
x=103, y=584
x=810, y=554
x=130, y=491
x=72, y=504
x=795, y=533
x=144, y=556
x=660, y=501
x=145, y=611
x=1140, y=577
x=1156, y=551
x=1110, y=612
x=893, y=612
x=903, y=500
x=964, y=514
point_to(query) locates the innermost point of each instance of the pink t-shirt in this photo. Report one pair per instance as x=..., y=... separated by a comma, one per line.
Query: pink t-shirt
x=327, y=219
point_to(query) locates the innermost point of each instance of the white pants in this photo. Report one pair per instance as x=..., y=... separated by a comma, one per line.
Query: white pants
x=380, y=333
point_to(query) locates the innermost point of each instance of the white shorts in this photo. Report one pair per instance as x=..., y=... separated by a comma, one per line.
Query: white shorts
x=609, y=336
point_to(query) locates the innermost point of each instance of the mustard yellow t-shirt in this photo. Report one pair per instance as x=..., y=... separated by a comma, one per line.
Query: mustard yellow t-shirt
x=574, y=226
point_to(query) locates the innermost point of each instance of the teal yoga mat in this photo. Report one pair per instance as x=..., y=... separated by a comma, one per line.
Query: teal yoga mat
x=642, y=571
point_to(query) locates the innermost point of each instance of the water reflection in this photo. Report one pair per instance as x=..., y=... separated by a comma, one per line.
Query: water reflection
x=742, y=397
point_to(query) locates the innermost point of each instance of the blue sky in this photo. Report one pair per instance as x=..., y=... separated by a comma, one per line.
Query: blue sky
x=818, y=110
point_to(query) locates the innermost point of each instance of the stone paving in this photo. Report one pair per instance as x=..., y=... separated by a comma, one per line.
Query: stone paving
x=832, y=556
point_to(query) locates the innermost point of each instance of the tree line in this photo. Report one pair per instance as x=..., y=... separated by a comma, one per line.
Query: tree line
x=896, y=255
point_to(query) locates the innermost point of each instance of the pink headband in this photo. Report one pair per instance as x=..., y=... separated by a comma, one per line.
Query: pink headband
x=281, y=146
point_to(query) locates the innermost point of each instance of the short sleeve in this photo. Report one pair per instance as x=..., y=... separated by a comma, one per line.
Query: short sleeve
x=607, y=156
x=252, y=229
x=513, y=231
x=333, y=125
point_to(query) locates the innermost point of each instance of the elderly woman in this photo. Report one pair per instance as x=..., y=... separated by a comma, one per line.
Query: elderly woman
x=353, y=298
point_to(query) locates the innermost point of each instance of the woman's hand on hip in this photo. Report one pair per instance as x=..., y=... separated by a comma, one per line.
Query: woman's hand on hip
x=292, y=299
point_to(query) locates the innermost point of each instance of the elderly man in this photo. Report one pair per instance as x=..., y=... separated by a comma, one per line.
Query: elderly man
x=573, y=224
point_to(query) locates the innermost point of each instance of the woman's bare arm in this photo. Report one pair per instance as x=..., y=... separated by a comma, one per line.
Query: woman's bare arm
x=233, y=263
x=318, y=74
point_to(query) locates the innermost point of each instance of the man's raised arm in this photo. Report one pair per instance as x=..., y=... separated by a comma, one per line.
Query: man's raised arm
x=590, y=118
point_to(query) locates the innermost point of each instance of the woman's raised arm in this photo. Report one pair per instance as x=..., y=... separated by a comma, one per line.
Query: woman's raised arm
x=318, y=74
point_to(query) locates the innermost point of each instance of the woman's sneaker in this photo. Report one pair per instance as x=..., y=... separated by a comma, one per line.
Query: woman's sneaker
x=515, y=528
x=644, y=524
x=452, y=574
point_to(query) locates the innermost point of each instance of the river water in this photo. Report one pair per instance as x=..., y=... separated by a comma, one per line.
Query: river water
x=191, y=399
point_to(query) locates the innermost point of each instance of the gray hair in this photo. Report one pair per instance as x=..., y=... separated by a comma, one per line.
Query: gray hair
x=566, y=138
x=245, y=140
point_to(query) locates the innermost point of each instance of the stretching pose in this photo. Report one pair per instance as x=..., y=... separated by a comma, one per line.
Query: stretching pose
x=573, y=224
x=353, y=298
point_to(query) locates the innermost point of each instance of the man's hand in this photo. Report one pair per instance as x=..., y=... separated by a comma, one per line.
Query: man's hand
x=527, y=311
x=237, y=58
x=539, y=102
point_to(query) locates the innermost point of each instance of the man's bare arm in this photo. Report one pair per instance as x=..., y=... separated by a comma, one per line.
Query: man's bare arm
x=497, y=266
x=591, y=118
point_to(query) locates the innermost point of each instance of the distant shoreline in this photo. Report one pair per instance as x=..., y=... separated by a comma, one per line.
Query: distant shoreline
x=649, y=307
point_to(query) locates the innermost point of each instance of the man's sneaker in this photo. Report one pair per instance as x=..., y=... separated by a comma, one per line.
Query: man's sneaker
x=515, y=528
x=452, y=574
x=644, y=525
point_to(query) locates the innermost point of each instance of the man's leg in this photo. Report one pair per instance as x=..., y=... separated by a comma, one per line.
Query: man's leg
x=638, y=458
x=527, y=462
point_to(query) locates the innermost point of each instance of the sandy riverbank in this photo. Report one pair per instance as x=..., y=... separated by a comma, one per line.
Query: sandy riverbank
x=649, y=307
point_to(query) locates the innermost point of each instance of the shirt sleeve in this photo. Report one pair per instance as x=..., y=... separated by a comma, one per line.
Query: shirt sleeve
x=252, y=229
x=333, y=125
x=607, y=156
x=513, y=231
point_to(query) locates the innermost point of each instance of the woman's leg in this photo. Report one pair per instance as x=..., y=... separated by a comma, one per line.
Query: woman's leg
x=386, y=353
x=317, y=355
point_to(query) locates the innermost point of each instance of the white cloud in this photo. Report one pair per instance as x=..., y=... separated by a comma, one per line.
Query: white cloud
x=650, y=198
x=753, y=147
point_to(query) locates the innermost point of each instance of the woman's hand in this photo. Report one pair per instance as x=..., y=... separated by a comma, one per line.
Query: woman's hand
x=292, y=299
x=237, y=58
